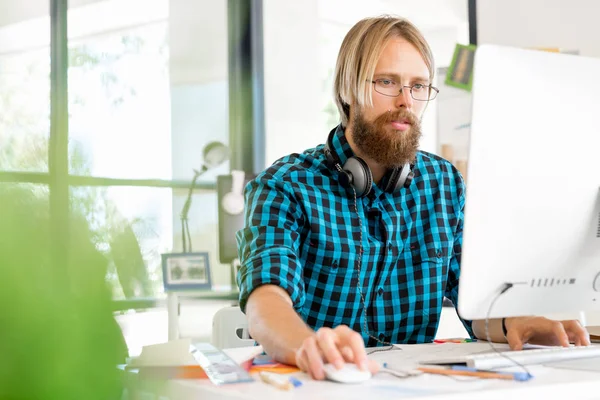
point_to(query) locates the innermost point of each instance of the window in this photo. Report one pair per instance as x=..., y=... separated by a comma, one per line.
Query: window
x=24, y=104
x=147, y=90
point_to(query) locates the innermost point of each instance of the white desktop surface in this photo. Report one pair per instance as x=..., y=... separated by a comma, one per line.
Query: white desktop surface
x=547, y=383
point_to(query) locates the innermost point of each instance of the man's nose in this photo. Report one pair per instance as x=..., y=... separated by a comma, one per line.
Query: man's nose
x=404, y=99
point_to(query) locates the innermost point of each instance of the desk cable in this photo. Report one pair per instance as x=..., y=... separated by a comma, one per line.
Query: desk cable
x=503, y=290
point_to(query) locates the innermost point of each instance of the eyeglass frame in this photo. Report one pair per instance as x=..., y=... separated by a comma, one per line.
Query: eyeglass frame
x=437, y=91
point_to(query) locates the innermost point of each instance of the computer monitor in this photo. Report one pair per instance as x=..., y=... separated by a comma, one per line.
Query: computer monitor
x=532, y=213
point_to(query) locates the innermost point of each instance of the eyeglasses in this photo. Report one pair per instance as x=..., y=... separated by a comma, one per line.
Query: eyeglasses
x=418, y=91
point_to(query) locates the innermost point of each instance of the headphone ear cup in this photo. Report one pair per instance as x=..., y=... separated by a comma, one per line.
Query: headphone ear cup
x=390, y=186
x=405, y=177
x=344, y=178
x=400, y=177
x=409, y=179
x=360, y=175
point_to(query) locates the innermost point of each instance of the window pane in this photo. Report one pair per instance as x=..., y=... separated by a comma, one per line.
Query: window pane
x=24, y=87
x=133, y=226
x=147, y=90
x=36, y=193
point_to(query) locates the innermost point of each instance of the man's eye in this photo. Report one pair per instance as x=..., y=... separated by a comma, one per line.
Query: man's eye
x=418, y=86
x=386, y=82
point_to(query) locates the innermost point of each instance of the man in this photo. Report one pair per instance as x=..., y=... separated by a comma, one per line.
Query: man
x=355, y=243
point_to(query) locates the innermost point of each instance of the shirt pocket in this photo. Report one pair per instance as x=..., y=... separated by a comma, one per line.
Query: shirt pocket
x=434, y=252
x=430, y=263
x=327, y=255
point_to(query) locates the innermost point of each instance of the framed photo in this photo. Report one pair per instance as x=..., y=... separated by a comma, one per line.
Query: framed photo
x=186, y=271
x=460, y=73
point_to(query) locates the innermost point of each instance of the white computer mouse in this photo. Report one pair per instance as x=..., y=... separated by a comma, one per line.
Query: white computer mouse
x=349, y=373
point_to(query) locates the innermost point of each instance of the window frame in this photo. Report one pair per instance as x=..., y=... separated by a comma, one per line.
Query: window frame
x=247, y=150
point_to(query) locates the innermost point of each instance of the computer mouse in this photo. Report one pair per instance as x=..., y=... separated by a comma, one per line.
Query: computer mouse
x=349, y=373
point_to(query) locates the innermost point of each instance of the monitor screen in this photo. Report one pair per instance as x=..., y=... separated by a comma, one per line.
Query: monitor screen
x=532, y=212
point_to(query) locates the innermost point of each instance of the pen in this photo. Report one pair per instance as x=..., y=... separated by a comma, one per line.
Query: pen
x=517, y=376
x=473, y=373
x=280, y=381
x=439, y=341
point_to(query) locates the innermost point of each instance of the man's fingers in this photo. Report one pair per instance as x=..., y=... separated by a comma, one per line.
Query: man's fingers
x=545, y=331
x=314, y=360
x=577, y=333
x=352, y=339
x=373, y=366
x=328, y=342
x=301, y=359
x=347, y=354
x=560, y=333
x=516, y=339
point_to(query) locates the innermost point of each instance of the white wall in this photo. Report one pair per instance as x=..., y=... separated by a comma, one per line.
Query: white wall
x=292, y=80
x=570, y=25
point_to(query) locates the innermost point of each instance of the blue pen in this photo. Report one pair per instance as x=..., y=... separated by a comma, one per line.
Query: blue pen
x=295, y=381
x=518, y=376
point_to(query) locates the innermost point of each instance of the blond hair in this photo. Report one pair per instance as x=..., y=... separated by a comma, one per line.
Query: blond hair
x=359, y=54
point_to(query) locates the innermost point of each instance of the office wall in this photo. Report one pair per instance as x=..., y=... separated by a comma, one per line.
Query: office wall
x=292, y=81
x=572, y=25
x=569, y=24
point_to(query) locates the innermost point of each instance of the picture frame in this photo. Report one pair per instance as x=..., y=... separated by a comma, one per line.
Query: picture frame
x=460, y=72
x=186, y=271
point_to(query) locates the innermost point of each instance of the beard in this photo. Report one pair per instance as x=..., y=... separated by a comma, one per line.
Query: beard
x=380, y=142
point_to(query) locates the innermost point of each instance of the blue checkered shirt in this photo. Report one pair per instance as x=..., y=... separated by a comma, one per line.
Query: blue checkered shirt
x=302, y=234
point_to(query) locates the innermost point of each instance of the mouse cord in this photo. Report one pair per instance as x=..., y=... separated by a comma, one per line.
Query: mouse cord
x=505, y=287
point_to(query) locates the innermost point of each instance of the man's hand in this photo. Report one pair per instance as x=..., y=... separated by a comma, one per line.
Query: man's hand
x=539, y=330
x=334, y=346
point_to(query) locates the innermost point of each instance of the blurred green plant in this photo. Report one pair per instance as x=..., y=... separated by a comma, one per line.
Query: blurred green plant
x=59, y=339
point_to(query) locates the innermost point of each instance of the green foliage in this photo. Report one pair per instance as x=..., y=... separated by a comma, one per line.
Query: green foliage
x=59, y=339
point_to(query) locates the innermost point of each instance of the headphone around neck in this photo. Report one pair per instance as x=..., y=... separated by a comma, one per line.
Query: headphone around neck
x=356, y=173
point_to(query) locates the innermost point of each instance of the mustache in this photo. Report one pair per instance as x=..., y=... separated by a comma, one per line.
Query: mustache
x=400, y=115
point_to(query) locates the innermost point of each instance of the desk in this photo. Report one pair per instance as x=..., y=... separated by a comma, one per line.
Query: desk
x=173, y=305
x=548, y=383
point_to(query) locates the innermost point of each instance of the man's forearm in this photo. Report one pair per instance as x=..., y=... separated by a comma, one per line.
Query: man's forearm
x=494, y=328
x=273, y=323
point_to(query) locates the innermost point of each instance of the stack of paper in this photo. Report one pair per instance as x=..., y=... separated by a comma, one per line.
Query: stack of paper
x=171, y=360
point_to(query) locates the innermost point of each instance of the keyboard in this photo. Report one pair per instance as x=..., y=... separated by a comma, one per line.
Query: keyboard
x=492, y=360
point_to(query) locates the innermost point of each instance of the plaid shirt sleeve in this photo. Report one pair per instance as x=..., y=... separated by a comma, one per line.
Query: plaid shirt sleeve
x=268, y=245
x=454, y=270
